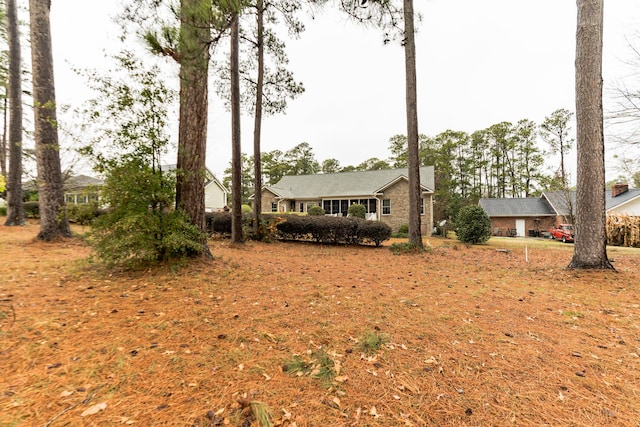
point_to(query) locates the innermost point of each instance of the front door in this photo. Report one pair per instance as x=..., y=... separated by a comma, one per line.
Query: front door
x=520, y=227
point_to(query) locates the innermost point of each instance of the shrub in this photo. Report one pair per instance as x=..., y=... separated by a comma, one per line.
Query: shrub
x=218, y=222
x=322, y=229
x=3, y=211
x=373, y=231
x=473, y=225
x=357, y=210
x=140, y=226
x=316, y=211
x=82, y=213
x=247, y=210
x=31, y=209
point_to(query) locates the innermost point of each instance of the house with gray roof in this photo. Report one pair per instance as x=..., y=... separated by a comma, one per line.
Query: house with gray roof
x=533, y=216
x=519, y=216
x=85, y=189
x=80, y=189
x=215, y=193
x=384, y=194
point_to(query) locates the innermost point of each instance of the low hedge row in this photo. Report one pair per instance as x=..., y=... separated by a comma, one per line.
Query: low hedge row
x=321, y=229
x=82, y=213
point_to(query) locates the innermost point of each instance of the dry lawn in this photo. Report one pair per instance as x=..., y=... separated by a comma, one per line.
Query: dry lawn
x=309, y=335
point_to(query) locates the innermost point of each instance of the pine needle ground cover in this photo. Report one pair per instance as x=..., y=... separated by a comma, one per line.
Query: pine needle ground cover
x=290, y=334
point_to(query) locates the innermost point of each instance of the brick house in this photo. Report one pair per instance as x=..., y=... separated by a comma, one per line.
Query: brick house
x=533, y=216
x=384, y=194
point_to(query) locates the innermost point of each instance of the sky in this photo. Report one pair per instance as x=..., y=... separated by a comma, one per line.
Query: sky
x=478, y=63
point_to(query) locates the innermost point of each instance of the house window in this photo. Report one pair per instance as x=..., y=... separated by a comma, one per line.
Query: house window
x=274, y=207
x=301, y=207
x=344, y=207
x=386, y=207
x=422, y=206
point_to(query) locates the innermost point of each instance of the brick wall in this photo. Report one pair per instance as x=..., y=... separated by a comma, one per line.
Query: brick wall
x=502, y=224
x=398, y=194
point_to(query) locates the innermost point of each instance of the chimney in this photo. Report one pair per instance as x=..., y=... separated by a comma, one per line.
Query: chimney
x=619, y=188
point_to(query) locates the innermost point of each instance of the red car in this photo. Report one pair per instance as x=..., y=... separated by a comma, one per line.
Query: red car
x=562, y=232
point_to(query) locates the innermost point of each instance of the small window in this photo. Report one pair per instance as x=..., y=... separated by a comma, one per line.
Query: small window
x=274, y=207
x=421, y=206
x=301, y=207
x=386, y=207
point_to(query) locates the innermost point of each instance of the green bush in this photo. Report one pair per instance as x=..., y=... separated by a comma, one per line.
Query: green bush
x=82, y=213
x=247, y=210
x=316, y=211
x=472, y=225
x=32, y=209
x=358, y=211
x=3, y=211
x=375, y=232
x=321, y=229
x=140, y=226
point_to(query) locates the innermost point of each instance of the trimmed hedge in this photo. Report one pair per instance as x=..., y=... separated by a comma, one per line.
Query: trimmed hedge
x=321, y=229
x=31, y=210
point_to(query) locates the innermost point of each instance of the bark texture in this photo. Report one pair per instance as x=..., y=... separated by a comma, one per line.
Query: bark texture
x=257, y=124
x=590, y=249
x=413, y=162
x=53, y=219
x=195, y=24
x=15, y=206
x=236, y=153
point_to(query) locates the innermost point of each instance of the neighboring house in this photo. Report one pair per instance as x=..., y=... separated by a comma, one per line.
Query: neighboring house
x=519, y=217
x=531, y=216
x=82, y=189
x=623, y=200
x=384, y=194
x=215, y=193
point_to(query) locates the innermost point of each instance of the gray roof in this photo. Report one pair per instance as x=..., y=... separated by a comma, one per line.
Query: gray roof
x=551, y=203
x=80, y=182
x=559, y=201
x=530, y=206
x=346, y=184
x=613, y=202
x=172, y=167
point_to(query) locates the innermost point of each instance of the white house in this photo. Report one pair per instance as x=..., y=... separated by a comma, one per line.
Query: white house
x=215, y=193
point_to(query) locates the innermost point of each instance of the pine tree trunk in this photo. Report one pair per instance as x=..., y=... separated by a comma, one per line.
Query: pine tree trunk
x=413, y=161
x=236, y=153
x=590, y=249
x=257, y=125
x=15, y=206
x=194, y=54
x=53, y=219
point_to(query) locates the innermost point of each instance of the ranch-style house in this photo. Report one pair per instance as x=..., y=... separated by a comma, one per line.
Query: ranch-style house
x=384, y=194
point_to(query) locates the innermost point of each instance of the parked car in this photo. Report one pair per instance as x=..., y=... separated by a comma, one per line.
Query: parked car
x=562, y=232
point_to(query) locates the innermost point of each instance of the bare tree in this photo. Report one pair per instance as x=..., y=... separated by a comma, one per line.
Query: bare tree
x=53, y=219
x=590, y=249
x=15, y=206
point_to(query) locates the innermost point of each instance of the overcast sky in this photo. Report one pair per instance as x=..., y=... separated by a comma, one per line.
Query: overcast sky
x=478, y=63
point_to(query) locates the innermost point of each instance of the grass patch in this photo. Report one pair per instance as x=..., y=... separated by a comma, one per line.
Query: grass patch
x=371, y=341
